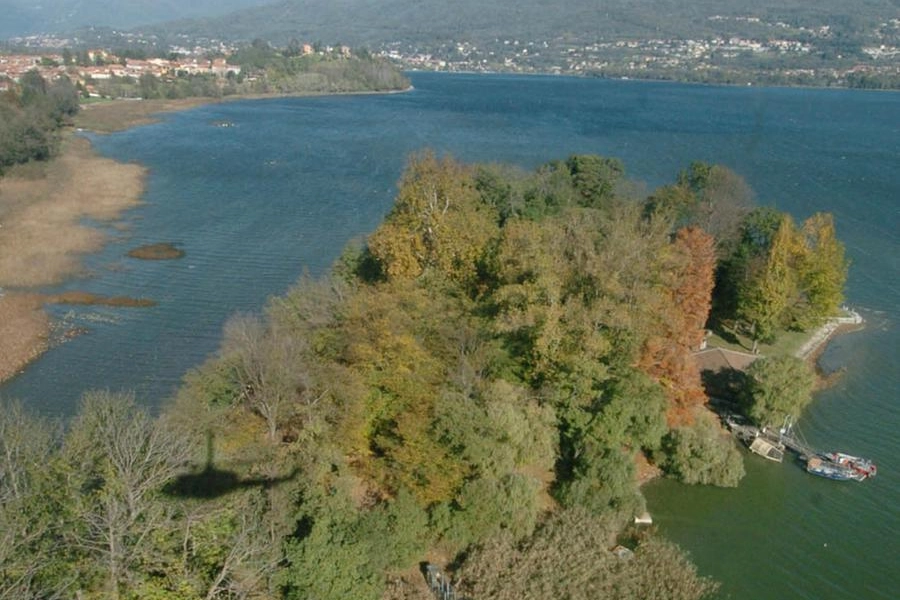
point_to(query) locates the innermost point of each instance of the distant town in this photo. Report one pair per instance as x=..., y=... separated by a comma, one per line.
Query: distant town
x=88, y=67
x=796, y=56
x=799, y=55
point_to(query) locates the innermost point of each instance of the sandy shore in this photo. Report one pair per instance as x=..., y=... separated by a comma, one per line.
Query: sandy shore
x=43, y=236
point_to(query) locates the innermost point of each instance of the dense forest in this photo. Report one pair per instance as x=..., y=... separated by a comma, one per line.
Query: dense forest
x=31, y=118
x=482, y=384
x=365, y=22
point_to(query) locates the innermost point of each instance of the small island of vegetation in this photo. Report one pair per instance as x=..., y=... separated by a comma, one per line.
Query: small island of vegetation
x=483, y=384
x=158, y=251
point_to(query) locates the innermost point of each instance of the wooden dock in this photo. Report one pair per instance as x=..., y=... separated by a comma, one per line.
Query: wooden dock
x=784, y=439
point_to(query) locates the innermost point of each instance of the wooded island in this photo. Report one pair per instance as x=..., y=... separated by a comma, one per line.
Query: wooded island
x=482, y=384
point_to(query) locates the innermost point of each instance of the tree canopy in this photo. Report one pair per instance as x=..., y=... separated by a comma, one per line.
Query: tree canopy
x=779, y=387
x=31, y=116
x=483, y=380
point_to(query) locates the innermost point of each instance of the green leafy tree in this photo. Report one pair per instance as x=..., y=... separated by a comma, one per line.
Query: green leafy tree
x=332, y=562
x=33, y=87
x=600, y=479
x=30, y=553
x=702, y=453
x=341, y=553
x=779, y=387
x=487, y=505
x=770, y=292
x=569, y=556
x=63, y=98
x=595, y=178
x=631, y=412
x=823, y=270
x=754, y=284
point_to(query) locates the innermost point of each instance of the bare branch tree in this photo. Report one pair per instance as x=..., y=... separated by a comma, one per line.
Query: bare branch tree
x=122, y=458
x=269, y=366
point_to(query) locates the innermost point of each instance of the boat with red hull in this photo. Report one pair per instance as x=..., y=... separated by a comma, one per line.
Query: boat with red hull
x=862, y=466
x=817, y=465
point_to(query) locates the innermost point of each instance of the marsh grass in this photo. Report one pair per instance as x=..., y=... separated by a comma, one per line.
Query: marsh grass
x=44, y=208
x=42, y=234
x=24, y=331
x=160, y=251
x=116, y=115
x=89, y=299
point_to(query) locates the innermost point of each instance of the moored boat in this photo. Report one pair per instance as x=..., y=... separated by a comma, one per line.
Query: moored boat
x=824, y=467
x=863, y=466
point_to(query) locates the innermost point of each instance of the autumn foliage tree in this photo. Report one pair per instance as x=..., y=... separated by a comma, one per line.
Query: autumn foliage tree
x=823, y=270
x=684, y=307
x=781, y=276
x=437, y=223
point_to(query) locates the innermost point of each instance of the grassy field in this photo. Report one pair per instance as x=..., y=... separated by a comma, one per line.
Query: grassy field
x=787, y=342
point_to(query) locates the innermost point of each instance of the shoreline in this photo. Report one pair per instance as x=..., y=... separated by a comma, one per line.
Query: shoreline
x=813, y=349
x=121, y=114
x=43, y=207
x=43, y=237
x=43, y=240
x=639, y=79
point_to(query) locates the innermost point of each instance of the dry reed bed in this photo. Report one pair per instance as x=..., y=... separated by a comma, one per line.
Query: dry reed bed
x=43, y=236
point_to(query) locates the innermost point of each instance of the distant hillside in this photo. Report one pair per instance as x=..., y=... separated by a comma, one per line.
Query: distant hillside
x=361, y=22
x=26, y=17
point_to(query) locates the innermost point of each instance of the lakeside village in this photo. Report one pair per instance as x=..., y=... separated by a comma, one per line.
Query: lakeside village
x=778, y=51
x=91, y=66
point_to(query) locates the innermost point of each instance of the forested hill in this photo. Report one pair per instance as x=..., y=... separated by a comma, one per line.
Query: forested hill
x=370, y=23
x=25, y=17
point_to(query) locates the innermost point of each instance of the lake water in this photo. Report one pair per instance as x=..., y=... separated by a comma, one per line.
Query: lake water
x=284, y=188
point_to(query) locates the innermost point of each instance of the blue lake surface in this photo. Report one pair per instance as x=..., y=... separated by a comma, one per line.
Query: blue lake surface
x=283, y=190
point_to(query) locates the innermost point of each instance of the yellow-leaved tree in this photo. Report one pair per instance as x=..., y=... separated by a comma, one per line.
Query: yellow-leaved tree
x=438, y=222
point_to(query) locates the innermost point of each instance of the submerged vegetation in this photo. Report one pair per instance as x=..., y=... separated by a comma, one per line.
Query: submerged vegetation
x=481, y=384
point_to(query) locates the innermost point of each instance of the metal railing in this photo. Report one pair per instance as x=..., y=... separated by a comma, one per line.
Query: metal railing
x=440, y=584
